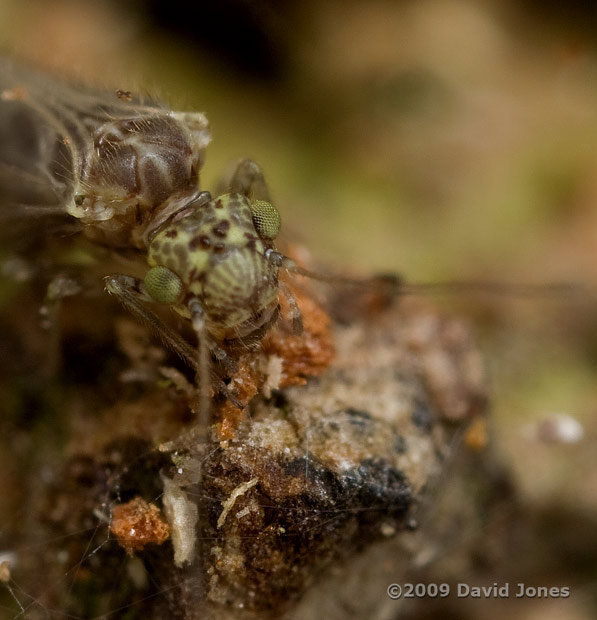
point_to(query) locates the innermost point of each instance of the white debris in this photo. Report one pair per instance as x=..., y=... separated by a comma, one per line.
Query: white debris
x=182, y=516
x=273, y=375
x=241, y=489
x=243, y=513
x=4, y=572
x=137, y=573
x=558, y=428
x=8, y=560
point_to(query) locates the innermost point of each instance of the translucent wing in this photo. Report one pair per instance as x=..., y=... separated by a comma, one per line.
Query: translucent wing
x=48, y=143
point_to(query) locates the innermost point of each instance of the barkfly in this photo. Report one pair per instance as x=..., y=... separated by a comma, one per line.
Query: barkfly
x=124, y=174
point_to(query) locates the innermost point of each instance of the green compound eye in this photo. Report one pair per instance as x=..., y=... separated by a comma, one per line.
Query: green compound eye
x=163, y=285
x=266, y=219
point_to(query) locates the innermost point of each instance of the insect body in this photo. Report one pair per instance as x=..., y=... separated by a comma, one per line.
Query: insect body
x=214, y=263
x=115, y=166
x=128, y=175
x=134, y=169
x=218, y=254
x=125, y=175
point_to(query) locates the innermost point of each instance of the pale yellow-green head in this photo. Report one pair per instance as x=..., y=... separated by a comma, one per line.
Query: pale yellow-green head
x=217, y=254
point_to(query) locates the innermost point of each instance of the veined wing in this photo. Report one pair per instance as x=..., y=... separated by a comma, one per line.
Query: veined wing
x=48, y=134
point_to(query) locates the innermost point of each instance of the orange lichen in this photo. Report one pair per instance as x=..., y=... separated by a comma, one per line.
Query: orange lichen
x=301, y=355
x=137, y=524
x=308, y=353
x=245, y=384
x=476, y=437
x=18, y=93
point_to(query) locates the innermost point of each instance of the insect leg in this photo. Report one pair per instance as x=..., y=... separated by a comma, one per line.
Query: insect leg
x=247, y=178
x=295, y=312
x=60, y=287
x=284, y=262
x=132, y=295
x=198, y=322
x=229, y=365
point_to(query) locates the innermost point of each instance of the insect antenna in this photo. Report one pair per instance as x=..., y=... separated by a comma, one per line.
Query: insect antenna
x=397, y=286
x=202, y=374
x=505, y=289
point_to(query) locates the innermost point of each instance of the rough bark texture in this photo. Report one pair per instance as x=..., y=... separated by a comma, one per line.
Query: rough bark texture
x=312, y=496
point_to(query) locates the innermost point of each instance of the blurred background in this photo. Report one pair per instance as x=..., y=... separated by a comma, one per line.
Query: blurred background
x=437, y=139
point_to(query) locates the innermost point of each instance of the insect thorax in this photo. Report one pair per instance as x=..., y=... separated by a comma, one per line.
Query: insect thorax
x=133, y=168
x=221, y=260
